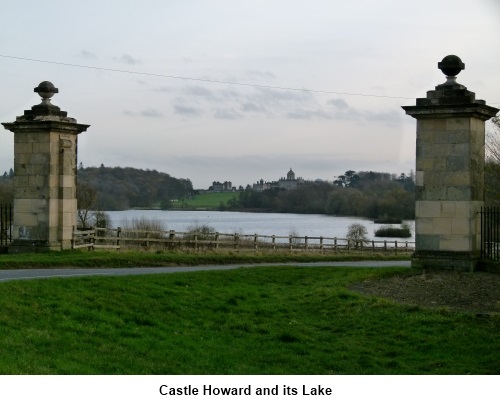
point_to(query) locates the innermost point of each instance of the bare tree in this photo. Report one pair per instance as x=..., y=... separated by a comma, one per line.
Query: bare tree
x=492, y=164
x=358, y=234
x=86, y=198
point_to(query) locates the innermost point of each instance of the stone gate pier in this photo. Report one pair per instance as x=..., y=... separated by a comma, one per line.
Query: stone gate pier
x=45, y=156
x=450, y=153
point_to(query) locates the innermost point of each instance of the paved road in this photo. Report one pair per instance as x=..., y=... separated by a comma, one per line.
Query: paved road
x=27, y=274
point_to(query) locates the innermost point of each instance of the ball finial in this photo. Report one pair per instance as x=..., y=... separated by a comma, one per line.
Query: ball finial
x=46, y=90
x=451, y=65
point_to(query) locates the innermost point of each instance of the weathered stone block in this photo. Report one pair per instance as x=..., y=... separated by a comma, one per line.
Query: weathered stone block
x=441, y=137
x=456, y=163
x=455, y=243
x=461, y=226
x=430, y=124
x=424, y=226
x=419, y=178
x=428, y=209
x=448, y=209
x=426, y=242
x=459, y=136
x=458, y=193
x=67, y=180
x=442, y=226
x=452, y=124
x=23, y=147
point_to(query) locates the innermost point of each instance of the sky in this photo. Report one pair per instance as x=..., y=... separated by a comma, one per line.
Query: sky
x=221, y=90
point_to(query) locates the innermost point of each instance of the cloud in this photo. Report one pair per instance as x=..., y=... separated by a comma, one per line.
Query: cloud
x=149, y=113
x=87, y=54
x=226, y=114
x=287, y=97
x=342, y=111
x=257, y=74
x=128, y=60
x=198, y=91
x=305, y=114
x=249, y=106
x=338, y=103
x=187, y=111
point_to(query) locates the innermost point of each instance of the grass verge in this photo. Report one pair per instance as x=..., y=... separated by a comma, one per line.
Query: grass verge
x=270, y=320
x=96, y=259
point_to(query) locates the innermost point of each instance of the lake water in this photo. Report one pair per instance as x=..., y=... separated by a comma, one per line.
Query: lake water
x=249, y=223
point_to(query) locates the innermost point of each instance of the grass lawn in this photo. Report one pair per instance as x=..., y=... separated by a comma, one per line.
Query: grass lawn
x=209, y=201
x=269, y=320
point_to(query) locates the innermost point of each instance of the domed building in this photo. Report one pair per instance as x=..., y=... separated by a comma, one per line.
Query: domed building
x=287, y=183
x=290, y=182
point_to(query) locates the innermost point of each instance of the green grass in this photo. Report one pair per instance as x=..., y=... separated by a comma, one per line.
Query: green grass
x=95, y=259
x=209, y=201
x=271, y=320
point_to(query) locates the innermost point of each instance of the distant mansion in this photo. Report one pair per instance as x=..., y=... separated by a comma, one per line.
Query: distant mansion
x=285, y=183
x=288, y=183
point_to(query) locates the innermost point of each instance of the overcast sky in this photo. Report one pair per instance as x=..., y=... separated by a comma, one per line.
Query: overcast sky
x=179, y=110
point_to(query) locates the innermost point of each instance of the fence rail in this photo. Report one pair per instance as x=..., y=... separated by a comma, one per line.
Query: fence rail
x=490, y=233
x=5, y=224
x=118, y=238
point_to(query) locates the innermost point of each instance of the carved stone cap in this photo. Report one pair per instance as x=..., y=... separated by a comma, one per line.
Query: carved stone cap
x=451, y=98
x=45, y=116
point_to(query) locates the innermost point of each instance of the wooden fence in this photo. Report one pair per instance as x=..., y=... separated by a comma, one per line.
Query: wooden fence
x=103, y=238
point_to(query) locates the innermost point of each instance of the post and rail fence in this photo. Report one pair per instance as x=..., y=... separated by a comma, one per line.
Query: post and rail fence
x=118, y=238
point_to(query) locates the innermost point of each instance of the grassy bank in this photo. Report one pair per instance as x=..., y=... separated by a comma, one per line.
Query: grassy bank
x=96, y=259
x=273, y=320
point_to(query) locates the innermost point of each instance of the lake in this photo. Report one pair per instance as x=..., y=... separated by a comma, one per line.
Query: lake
x=249, y=223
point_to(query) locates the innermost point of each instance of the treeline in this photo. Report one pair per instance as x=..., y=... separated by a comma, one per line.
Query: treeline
x=366, y=194
x=121, y=188
x=7, y=188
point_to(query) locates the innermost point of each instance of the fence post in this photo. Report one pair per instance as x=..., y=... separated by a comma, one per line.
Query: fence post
x=118, y=235
x=321, y=244
x=274, y=242
x=171, y=236
x=348, y=244
x=335, y=243
x=255, y=239
x=216, y=240
x=373, y=246
x=235, y=241
x=290, y=242
x=306, y=243
x=385, y=245
x=395, y=247
x=72, y=239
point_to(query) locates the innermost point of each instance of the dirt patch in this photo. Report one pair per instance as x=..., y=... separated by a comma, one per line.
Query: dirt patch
x=477, y=292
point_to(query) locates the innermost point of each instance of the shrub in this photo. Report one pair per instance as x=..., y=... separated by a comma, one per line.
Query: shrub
x=139, y=227
x=390, y=231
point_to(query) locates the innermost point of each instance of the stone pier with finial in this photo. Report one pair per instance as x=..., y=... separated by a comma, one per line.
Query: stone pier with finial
x=45, y=156
x=450, y=153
